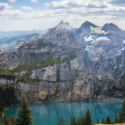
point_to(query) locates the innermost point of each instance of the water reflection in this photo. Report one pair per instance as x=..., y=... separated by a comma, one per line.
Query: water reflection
x=49, y=114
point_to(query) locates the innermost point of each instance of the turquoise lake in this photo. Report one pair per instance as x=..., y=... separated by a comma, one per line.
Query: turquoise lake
x=49, y=114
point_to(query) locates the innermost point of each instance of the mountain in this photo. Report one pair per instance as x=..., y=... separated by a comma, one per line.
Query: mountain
x=20, y=40
x=11, y=37
x=68, y=64
x=4, y=34
x=61, y=34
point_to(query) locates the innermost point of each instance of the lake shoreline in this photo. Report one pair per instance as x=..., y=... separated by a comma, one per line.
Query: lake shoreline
x=45, y=113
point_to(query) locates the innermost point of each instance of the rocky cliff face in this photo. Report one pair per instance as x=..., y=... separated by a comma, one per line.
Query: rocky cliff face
x=68, y=64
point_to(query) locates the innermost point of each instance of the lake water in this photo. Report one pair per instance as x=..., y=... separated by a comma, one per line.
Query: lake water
x=49, y=114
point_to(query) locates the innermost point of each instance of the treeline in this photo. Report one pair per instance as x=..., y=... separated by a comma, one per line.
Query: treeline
x=7, y=98
x=86, y=120
x=24, y=115
x=8, y=77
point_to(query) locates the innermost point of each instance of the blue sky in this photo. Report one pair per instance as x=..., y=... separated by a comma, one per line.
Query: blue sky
x=44, y=14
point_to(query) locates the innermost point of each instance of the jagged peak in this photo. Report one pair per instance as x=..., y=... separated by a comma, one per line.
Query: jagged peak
x=110, y=26
x=87, y=24
x=61, y=22
x=64, y=25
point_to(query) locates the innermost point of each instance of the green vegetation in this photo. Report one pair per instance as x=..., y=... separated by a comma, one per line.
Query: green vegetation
x=4, y=72
x=25, y=77
x=39, y=44
x=24, y=117
x=20, y=68
x=86, y=120
x=24, y=113
x=48, y=61
x=83, y=120
x=116, y=74
x=69, y=55
x=62, y=121
x=7, y=120
x=7, y=98
x=108, y=120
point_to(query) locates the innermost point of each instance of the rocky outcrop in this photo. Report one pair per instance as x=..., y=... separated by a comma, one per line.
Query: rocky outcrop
x=68, y=64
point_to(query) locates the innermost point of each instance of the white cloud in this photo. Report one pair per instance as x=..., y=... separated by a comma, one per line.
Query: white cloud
x=35, y=1
x=4, y=6
x=11, y=1
x=26, y=8
x=73, y=11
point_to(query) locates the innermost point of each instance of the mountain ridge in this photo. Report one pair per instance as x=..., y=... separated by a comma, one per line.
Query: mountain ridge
x=83, y=65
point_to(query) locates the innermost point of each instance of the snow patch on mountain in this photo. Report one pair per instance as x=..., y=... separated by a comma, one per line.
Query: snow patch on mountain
x=97, y=30
x=120, y=51
x=102, y=38
x=88, y=38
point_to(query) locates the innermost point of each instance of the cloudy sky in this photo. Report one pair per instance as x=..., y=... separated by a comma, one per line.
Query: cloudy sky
x=44, y=14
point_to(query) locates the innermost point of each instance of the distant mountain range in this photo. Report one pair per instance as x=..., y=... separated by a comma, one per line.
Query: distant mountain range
x=69, y=64
x=11, y=37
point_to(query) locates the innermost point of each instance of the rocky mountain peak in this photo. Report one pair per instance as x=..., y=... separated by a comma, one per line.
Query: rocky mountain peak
x=87, y=24
x=110, y=27
x=85, y=27
x=64, y=25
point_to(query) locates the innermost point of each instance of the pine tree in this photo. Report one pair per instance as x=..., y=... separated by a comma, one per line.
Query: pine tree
x=97, y=121
x=116, y=118
x=24, y=113
x=108, y=120
x=74, y=121
x=88, y=120
x=79, y=122
x=103, y=121
x=13, y=120
x=120, y=117
x=71, y=121
x=82, y=120
x=123, y=111
x=62, y=121
x=5, y=120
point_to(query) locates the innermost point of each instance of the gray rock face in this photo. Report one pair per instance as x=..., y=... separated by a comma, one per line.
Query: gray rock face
x=68, y=64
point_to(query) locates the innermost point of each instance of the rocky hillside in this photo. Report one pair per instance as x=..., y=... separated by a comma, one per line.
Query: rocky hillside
x=67, y=64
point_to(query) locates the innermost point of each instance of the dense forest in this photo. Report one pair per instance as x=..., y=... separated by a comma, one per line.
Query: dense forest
x=7, y=97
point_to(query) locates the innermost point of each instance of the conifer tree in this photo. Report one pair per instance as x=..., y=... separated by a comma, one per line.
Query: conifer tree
x=24, y=113
x=123, y=111
x=5, y=120
x=88, y=120
x=116, y=118
x=103, y=121
x=79, y=122
x=120, y=117
x=108, y=120
x=74, y=121
x=97, y=121
x=62, y=121
x=13, y=120
x=82, y=120
x=71, y=121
